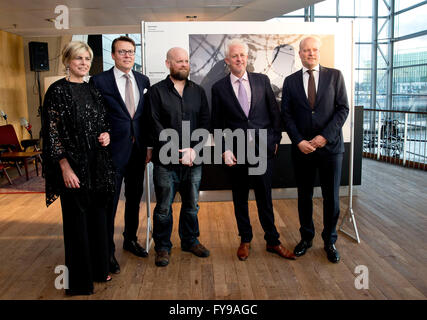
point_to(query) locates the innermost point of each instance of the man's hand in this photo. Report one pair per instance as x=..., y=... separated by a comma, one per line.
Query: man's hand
x=306, y=147
x=318, y=141
x=104, y=139
x=229, y=158
x=188, y=156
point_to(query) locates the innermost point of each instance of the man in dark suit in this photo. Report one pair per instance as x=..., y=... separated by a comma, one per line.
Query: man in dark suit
x=314, y=109
x=123, y=91
x=245, y=100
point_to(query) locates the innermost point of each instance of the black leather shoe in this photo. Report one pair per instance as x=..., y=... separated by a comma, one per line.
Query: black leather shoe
x=114, y=265
x=302, y=247
x=135, y=248
x=332, y=253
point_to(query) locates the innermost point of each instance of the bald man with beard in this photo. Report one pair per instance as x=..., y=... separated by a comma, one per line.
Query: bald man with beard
x=172, y=101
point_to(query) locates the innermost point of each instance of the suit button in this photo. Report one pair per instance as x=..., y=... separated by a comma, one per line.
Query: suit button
x=312, y=112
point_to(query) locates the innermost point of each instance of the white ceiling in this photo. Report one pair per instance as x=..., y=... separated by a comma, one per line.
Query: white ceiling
x=28, y=17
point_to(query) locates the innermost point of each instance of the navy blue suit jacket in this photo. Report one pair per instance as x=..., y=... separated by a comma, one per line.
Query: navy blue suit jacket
x=123, y=127
x=264, y=112
x=326, y=118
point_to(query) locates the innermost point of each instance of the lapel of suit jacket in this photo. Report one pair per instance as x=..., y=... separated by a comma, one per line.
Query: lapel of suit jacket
x=141, y=94
x=301, y=91
x=229, y=87
x=323, y=82
x=116, y=91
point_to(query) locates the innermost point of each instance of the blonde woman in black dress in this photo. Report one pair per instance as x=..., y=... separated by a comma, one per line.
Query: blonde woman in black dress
x=78, y=168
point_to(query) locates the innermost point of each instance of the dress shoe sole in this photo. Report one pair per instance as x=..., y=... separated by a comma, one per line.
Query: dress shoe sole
x=161, y=264
x=274, y=251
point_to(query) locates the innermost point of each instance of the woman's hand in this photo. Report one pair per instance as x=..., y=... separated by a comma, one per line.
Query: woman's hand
x=71, y=181
x=104, y=139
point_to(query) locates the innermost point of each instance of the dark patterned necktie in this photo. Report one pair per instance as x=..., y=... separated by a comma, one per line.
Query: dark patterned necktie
x=311, y=89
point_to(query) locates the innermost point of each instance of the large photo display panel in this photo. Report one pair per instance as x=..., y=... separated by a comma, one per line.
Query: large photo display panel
x=273, y=50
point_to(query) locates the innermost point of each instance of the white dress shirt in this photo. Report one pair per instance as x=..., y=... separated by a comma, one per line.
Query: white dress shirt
x=246, y=84
x=305, y=77
x=121, y=84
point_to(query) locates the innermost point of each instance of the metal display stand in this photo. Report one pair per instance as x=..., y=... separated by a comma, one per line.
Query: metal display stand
x=149, y=232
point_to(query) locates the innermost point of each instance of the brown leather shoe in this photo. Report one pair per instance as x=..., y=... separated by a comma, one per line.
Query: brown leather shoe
x=243, y=251
x=281, y=251
x=162, y=258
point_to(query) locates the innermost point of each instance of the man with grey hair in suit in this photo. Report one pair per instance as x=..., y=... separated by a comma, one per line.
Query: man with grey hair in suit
x=243, y=101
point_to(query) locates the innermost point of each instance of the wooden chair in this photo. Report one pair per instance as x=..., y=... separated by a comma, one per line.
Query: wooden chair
x=3, y=168
x=9, y=140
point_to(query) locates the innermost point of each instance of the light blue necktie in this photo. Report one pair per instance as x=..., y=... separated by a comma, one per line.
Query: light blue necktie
x=243, y=97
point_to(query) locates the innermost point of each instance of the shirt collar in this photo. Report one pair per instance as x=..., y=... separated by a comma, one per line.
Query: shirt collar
x=170, y=83
x=119, y=73
x=304, y=69
x=233, y=78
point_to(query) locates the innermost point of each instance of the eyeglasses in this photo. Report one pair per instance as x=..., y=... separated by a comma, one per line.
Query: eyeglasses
x=123, y=52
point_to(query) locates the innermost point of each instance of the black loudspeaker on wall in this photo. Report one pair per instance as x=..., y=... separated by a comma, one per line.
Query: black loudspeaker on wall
x=39, y=56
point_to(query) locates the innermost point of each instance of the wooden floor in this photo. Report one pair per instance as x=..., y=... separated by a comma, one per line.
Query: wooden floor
x=392, y=219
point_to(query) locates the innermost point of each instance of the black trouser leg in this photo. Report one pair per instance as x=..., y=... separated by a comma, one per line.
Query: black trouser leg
x=305, y=174
x=240, y=191
x=134, y=188
x=262, y=190
x=85, y=237
x=330, y=178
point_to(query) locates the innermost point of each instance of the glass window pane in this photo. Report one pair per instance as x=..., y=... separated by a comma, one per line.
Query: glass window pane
x=383, y=29
x=381, y=62
x=346, y=8
x=326, y=8
x=411, y=80
x=363, y=88
x=320, y=19
x=410, y=103
x=362, y=58
x=403, y=4
x=411, y=21
x=381, y=101
x=381, y=82
x=363, y=8
x=409, y=52
x=363, y=30
x=382, y=9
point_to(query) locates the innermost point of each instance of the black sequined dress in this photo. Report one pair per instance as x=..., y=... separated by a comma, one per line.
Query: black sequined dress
x=74, y=116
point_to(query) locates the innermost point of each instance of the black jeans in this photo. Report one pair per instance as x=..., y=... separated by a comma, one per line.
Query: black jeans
x=329, y=168
x=167, y=182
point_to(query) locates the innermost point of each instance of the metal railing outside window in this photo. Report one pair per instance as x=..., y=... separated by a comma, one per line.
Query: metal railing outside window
x=396, y=136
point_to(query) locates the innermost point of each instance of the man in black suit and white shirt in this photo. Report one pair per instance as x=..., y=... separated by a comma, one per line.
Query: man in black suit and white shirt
x=123, y=90
x=314, y=109
x=245, y=100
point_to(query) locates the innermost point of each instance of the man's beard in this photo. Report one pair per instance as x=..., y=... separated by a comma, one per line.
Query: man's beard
x=179, y=74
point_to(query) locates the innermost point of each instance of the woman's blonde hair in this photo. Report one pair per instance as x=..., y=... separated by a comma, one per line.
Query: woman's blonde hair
x=72, y=49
